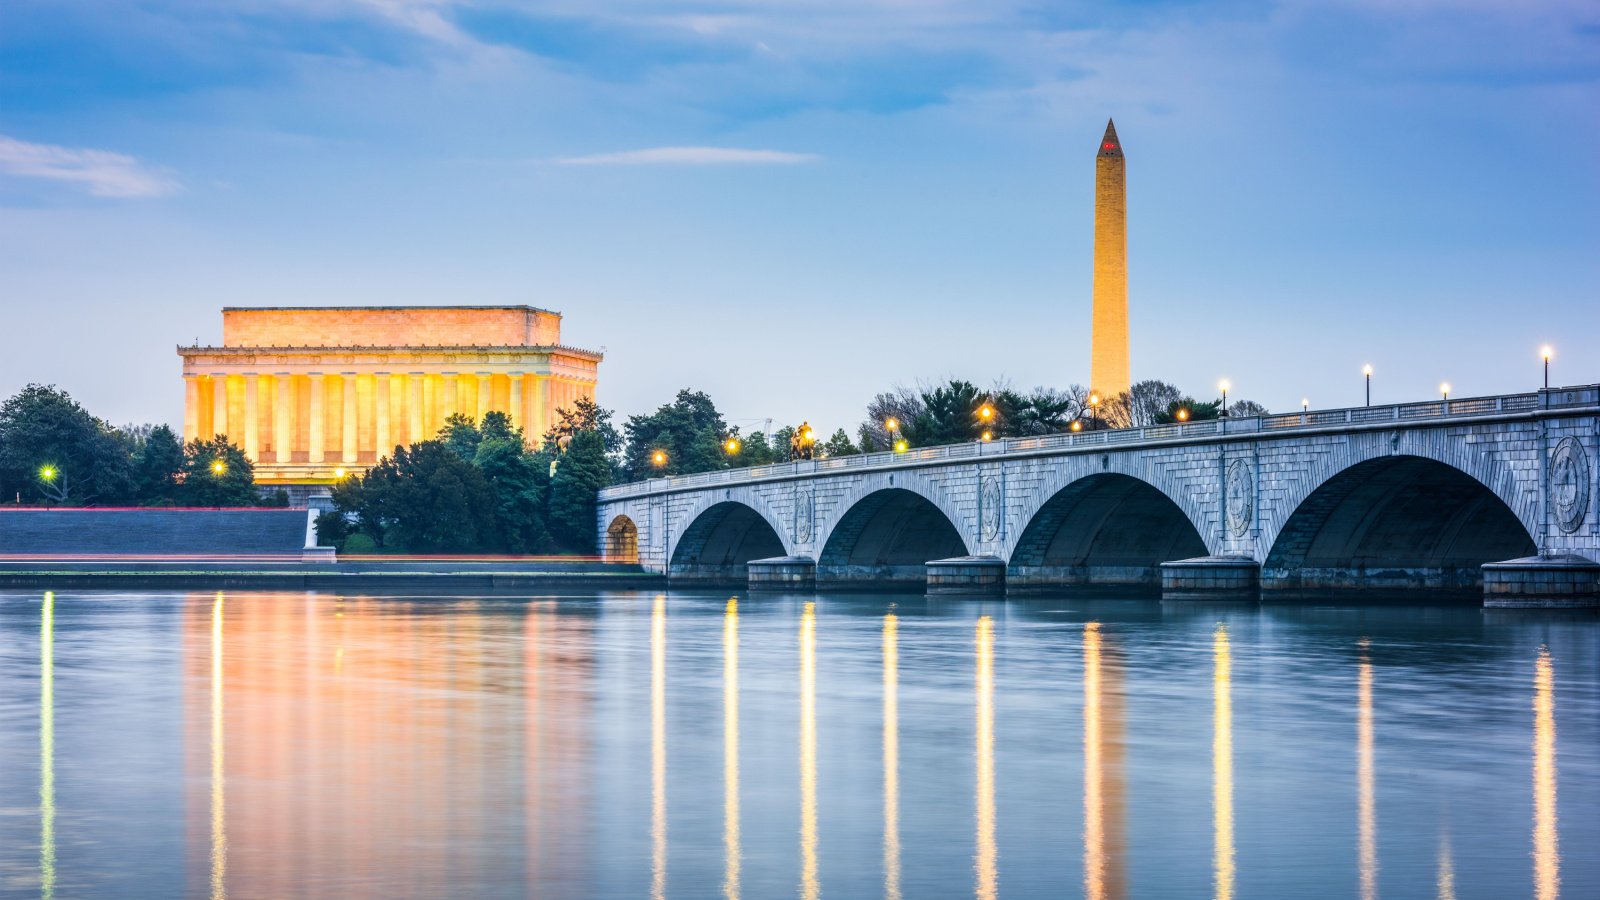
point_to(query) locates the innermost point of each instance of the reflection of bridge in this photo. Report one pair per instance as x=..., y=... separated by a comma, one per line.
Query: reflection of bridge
x=1388, y=498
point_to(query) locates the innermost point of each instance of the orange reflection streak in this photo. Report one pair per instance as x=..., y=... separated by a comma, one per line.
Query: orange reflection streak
x=1367, y=808
x=219, y=809
x=1222, y=762
x=985, y=861
x=1546, y=852
x=658, y=748
x=47, y=747
x=891, y=757
x=730, y=750
x=533, y=800
x=809, y=887
x=1094, y=862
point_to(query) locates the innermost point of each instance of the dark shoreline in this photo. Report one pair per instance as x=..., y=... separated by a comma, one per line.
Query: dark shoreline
x=321, y=576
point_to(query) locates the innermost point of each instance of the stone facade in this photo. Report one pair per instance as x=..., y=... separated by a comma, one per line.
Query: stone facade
x=315, y=393
x=1313, y=500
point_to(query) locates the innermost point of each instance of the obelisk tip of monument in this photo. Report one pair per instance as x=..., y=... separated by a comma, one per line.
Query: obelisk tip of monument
x=1110, y=145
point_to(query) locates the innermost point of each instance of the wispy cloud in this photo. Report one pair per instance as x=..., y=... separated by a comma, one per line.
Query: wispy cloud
x=691, y=156
x=100, y=172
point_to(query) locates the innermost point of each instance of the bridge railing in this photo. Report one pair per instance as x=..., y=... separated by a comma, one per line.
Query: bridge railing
x=1323, y=418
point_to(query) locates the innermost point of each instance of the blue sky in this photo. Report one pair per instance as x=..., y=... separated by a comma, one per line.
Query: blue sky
x=793, y=206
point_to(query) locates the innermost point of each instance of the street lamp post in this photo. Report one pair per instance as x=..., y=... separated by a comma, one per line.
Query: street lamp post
x=1444, y=392
x=1367, y=371
x=1094, y=412
x=1223, y=413
x=1546, y=352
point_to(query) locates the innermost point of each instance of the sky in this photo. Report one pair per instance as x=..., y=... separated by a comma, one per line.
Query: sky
x=793, y=206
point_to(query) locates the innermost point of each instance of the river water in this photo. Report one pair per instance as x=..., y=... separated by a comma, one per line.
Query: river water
x=273, y=745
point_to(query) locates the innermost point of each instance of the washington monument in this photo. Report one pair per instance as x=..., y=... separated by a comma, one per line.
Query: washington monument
x=1108, y=362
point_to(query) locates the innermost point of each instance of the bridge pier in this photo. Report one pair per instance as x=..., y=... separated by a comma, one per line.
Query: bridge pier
x=1564, y=581
x=967, y=575
x=1211, y=578
x=783, y=573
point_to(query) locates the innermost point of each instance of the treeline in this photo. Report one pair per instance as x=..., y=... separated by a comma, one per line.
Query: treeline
x=53, y=452
x=478, y=487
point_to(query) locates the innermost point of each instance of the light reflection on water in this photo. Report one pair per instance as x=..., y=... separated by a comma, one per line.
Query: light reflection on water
x=296, y=744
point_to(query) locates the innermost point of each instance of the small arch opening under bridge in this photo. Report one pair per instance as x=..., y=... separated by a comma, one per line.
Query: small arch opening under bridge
x=1106, y=529
x=1391, y=524
x=720, y=542
x=885, y=540
x=622, y=541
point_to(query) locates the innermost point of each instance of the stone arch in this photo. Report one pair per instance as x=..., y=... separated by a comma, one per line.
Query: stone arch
x=622, y=540
x=719, y=541
x=916, y=482
x=885, y=539
x=1067, y=472
x=1397, y=521
x=1104, y=528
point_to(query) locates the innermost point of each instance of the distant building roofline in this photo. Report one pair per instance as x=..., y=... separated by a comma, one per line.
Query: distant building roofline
x=520, y=306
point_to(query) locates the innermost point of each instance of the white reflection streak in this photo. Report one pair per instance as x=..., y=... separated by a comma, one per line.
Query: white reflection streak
x=219, y=812
x=1094, y=856
x=1447, y=869
x=47, y=747
x=730, y=749
x=987, y=886
x=1222, y=762
x=1367, y=809
x=809, y=887
x=658, y=749
x=891, y=757
x=1546, y=852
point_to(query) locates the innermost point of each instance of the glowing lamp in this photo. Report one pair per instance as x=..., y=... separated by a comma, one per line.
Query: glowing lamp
x=659, y=457
x=891, y=423
x=986, y=411
x=1078, y=426
x=901, y=446
x=48, y=473
x=1183, y=415
x=732, y=445
x=219, y=467
x=1444, y=390
x=988, y=435
x=1546, y=352
x=339, y=472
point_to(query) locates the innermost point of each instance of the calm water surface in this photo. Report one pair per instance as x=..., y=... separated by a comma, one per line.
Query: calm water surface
x=633, y=745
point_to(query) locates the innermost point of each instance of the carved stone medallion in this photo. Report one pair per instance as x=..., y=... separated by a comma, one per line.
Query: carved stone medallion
x=1569, y=484
x=1240, y=490
x=802, y=516
x=989, y=508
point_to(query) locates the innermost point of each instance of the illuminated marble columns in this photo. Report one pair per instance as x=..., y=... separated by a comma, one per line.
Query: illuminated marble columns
x=415, y=408
x=252, y=418
x=318, y=416
x=485, y=396
x=219, y=405
x=349, y=451
x=514, y=409
x=283, y=434
x=381, y=411
x=191, y=407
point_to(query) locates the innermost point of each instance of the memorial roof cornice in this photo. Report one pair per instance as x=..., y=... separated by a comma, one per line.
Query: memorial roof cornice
x=325, y=349
x=517, y=306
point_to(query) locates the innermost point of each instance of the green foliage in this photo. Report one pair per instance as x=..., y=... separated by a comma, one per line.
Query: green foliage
x=1198, y=412
x=584, y=415
x=358, y=543
x=689, y=430
x=580, y=474
x=158, y=462
x=460, y=433
x=332, y=528
x=88, y=460
x=949, y=415
x=426, y=498
x=205, y=483
x=838, y=445
x=519, y=481
x=753, y=450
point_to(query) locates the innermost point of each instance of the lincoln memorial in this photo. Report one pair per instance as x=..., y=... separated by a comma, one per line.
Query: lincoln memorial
x=315, y=393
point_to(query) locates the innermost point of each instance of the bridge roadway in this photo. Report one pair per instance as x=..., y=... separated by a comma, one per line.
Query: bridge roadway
x=1490, y=494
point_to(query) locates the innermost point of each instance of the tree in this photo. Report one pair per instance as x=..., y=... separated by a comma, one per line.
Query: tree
x=580, y=474
x=426, y=499
x=949, y=416
x=519, y=481
x=584, y=415
x=689, y=430
x=839, y=445
x=43, y=427
x=158, y=462
x=1193, y=411
x=1140, y=405
x=217, y=473
x=460, y=433
x=902, y=405
x=754, y=450
x=1246, y=408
